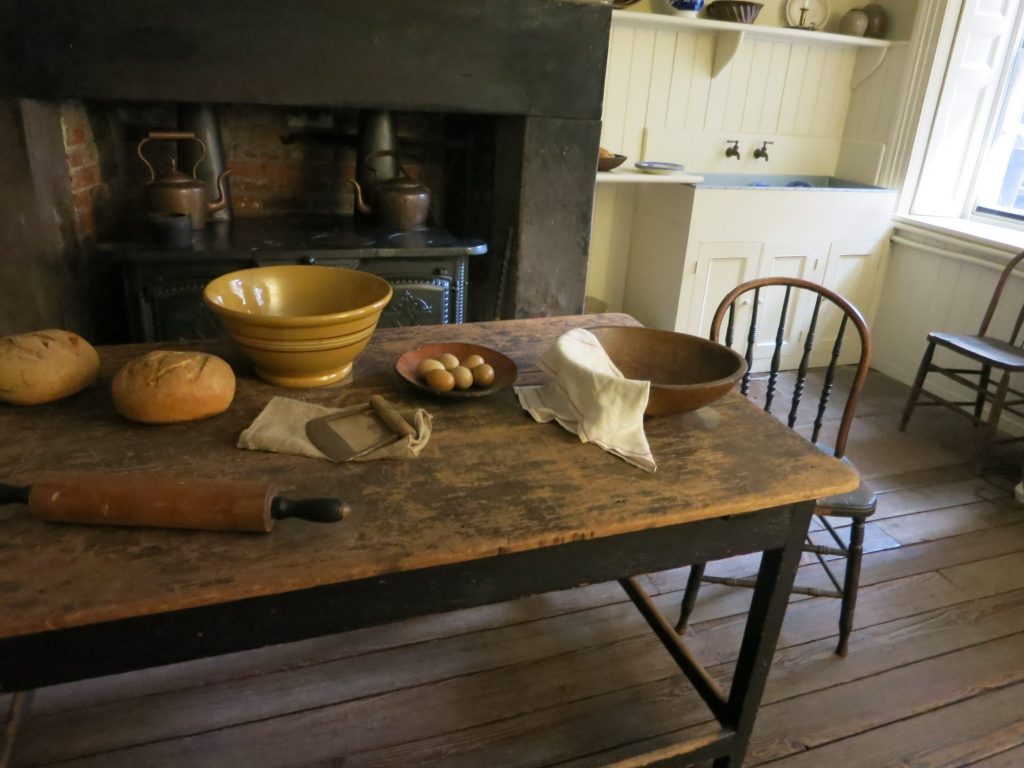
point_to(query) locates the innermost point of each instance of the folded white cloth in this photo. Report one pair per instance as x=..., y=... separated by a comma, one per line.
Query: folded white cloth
x=591, y=398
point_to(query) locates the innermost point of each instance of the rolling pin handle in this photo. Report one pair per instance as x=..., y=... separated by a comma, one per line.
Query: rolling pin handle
x=314, y=510
x=13, y=494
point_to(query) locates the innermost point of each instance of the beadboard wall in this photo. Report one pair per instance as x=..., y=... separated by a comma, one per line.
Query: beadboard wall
x=661, y=79
x=934, y=283
x=876, y=103
x=659, y=85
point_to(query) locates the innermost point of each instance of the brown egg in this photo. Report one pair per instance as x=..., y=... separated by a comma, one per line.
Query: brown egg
x=428, y=365
x=463, y=377
x=440, y=381
x=473, y=361
x=483, y=375
x=448, y=360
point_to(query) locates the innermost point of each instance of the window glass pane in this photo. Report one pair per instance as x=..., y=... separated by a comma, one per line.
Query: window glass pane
x=1001, y=177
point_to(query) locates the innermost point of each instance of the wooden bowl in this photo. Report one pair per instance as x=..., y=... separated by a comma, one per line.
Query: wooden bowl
x=740, y=11
x=504, y=369
x=686, y=372
x=607, y=163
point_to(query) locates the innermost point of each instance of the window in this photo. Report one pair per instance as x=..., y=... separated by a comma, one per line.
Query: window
x=974, y=161
x=1000, y=187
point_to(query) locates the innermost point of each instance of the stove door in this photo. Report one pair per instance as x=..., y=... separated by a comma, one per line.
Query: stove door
x=418, y=302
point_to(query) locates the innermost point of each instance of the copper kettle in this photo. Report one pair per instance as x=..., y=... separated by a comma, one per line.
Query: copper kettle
x=401, y=203
x=177, y=192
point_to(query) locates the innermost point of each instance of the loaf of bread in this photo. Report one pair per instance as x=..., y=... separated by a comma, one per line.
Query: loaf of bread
x=165, y=387
x=42, y=366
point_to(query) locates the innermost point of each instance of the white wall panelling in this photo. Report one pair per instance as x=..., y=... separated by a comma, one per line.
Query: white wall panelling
x=860, y=160
x=698, y=150
x=610, y=243
x=662, y=102
x=662, y=79
x=660, y=230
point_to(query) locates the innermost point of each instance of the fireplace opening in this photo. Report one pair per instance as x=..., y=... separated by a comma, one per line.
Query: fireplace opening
x=497, y=105
x=290, y=195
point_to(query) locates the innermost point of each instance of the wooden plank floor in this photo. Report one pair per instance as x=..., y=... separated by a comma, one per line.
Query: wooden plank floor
x=935, y=675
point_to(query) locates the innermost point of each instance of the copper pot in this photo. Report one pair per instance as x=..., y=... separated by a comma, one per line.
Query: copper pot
x=177, y=192
x=400, y=203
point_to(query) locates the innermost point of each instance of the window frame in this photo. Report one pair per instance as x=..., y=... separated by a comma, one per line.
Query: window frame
x=975, y=211
x=946, y=179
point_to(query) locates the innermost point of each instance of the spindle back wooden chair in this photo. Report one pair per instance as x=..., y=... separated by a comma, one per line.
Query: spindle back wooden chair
x=856, y=505
x=1006, y=356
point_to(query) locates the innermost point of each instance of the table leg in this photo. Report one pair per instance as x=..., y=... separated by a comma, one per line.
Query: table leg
x=20, y=705
x=764, y=622
x=737, y=711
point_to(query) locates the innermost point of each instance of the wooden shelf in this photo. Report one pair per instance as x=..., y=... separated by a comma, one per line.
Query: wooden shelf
x=729, y=36
x=633, y=176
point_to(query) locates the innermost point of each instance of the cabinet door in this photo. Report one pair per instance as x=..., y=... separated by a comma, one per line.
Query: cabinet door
x=852, y=271
x=718, y=269
x=802, y=260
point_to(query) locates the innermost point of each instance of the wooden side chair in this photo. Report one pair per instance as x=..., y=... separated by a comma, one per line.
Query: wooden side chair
x=856, y=505
x=992, y=353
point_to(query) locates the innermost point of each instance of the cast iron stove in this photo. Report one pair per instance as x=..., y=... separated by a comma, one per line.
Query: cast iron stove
x=428, y=268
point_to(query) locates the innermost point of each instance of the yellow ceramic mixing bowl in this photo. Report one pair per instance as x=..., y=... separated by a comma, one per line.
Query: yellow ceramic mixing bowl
x=302, y=326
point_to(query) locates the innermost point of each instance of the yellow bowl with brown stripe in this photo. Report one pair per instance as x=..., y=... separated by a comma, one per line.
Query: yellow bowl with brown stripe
x=302, y=326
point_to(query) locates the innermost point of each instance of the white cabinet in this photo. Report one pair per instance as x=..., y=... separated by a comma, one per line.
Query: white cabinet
x=689, y=251
x=718, y=269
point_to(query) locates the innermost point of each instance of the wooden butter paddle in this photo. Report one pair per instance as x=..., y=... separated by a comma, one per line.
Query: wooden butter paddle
x=343, y=436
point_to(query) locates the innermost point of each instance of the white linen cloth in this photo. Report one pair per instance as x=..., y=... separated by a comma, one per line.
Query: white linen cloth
x=589, y=396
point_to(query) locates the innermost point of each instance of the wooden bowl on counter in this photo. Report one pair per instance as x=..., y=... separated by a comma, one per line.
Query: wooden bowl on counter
x=686, y=372
x=302, y=326
x=608, y=163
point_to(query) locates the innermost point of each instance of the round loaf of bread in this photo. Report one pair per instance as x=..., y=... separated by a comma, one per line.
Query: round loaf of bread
x=42, y=366
x=165, y=387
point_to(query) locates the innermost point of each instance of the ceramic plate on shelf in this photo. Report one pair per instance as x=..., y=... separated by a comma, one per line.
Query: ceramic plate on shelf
x=650, y=166
x=817, y=13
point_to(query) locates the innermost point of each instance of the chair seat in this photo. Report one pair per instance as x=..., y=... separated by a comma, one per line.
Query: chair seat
x=984, y=349
x=860, y=502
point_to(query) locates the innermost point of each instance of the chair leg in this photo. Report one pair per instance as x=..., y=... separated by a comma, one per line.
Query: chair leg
x=690, y=596
x=21, y=702
x=851, y=581
x=979, y=402
x=992, y=425
x=915, y=392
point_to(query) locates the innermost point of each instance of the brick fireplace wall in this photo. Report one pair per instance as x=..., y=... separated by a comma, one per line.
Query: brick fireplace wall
x=284, y=160
x=84, y=174
x=281, y=160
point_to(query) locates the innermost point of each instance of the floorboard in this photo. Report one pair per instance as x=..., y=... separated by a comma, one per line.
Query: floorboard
x=935, y=675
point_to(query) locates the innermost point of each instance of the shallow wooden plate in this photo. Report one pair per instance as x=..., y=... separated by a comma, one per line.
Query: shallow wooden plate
x=504, y=369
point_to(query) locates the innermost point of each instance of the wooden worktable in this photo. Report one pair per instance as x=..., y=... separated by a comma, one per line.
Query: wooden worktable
x=497, y=506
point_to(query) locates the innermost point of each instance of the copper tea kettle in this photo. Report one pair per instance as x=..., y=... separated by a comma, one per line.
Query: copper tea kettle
x=177, y=192
x=401, y=203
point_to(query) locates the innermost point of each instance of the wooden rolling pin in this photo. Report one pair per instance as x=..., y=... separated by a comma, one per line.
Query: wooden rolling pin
x=159, y=501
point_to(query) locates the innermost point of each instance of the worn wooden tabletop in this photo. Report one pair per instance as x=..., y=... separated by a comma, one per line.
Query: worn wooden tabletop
x=490, y=481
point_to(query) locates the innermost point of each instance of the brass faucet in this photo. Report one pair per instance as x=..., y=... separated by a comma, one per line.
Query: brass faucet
x=734, y=150
x=762, y=151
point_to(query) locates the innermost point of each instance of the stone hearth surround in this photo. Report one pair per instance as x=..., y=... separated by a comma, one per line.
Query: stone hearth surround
x=537, y=66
